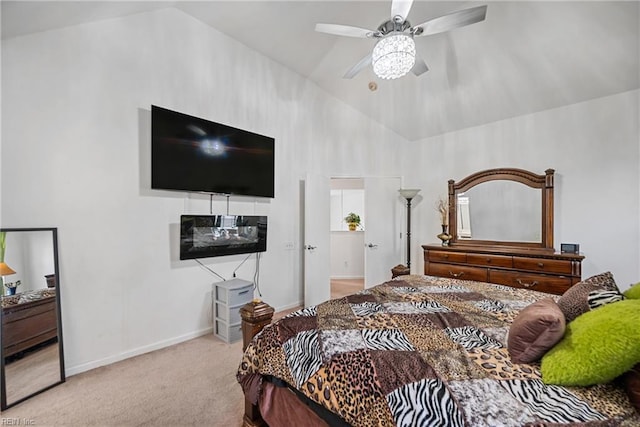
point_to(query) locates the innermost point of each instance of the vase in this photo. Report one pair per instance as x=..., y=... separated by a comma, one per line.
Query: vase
x=353, y=226
x=444, y=236
x=11, y=291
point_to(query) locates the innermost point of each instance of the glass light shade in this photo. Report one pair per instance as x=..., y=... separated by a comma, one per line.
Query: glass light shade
x=408, y=193
x=394, y=56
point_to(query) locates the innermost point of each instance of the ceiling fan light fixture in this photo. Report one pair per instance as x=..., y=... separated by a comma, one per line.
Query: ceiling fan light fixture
x=394, y=56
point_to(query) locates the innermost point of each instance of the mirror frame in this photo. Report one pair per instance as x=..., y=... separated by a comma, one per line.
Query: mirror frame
x=542, y=182
x=3, y=385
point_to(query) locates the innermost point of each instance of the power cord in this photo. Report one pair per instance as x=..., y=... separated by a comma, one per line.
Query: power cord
x=234, y=271
x=210, y=270
x=256, y=274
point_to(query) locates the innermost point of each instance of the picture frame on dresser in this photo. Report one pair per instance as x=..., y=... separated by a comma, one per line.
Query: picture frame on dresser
x=497, y=257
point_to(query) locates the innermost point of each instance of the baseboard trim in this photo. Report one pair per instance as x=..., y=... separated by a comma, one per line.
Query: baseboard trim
x=77, y=369
x=289, y=307
x=73, y=370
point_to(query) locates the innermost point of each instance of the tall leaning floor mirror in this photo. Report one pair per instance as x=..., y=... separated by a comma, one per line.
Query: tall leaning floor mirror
x=31, y=335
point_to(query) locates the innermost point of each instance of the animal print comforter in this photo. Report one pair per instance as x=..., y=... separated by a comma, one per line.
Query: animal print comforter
x=424, y=351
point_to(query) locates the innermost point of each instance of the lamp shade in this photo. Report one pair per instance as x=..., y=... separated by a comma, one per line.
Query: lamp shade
x=394, y=56
x=408, y=193
x=5, y=270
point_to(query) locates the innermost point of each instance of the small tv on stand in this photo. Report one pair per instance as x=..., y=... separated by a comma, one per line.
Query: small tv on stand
x=204, y=236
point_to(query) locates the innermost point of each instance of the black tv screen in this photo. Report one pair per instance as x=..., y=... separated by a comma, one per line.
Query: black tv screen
x=192, y=154
x=203, y=236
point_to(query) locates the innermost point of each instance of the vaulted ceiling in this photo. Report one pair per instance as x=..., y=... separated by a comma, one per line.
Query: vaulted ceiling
x=527, y=56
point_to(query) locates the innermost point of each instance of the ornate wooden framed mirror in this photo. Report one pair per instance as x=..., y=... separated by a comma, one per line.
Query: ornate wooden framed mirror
x=502, y=207
x=32, y=357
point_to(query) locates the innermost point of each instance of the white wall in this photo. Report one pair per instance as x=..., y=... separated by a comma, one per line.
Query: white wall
x=594, y=148
x=347, y=255
x=75, y=154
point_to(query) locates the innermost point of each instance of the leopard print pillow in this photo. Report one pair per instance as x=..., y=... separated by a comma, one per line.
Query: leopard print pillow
x=575, y=300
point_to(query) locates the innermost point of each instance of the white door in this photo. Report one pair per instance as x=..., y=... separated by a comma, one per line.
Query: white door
x=382, y=236
x=317, y=235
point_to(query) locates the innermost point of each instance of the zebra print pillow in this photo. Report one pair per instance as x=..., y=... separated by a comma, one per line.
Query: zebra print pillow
x=597, y=299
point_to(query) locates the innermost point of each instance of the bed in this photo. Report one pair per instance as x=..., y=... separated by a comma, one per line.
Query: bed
x=414, y=351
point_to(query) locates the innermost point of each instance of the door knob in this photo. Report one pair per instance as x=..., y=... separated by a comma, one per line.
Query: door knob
x=309, y=247
x=371, y=245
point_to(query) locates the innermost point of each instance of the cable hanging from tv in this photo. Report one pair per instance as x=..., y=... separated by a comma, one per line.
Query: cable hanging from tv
x=209, y=269
x=256, y=274
x=243, y=261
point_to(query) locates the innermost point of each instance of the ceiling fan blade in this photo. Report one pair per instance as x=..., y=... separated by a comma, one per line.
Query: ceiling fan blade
x=419, y=67
x=358, y=67
x=343, y=30
x=451, y=21
x=401, y=8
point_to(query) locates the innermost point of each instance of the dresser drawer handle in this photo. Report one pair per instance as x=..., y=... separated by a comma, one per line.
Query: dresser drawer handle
x=541, y=264
x=488, y=260
x=445, y=256
x=456, y=275
x=243, y=292
x=526, y=285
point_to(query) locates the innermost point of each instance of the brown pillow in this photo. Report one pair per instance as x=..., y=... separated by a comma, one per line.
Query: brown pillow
x=631, y=381
x=536, y=329
x=575, y=300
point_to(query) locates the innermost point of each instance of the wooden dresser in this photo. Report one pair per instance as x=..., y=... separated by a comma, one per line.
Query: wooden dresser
x=28, y=324
x=540, y=270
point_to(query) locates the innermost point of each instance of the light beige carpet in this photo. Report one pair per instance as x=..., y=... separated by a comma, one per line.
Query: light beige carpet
x=191, y=383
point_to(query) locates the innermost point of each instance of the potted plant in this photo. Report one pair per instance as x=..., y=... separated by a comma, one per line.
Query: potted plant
x=12, y=286
x=353, y=220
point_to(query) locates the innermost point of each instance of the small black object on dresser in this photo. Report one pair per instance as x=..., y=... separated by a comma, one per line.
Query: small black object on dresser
x=570, y=248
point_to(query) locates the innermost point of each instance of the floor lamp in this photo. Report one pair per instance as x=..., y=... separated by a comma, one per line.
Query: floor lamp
x=408, y=194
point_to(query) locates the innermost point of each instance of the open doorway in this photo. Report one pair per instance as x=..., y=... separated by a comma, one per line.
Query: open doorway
x=378, y=239
x=347, y=245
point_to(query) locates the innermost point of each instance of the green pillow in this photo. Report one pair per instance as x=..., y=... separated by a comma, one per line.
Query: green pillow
x=633, y=292
x=597, y=347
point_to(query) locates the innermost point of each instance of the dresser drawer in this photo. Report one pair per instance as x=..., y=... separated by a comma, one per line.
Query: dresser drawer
x=445, y=256
x=490, y=260
x=543, y=265
x=458, y=272
x=536, y=282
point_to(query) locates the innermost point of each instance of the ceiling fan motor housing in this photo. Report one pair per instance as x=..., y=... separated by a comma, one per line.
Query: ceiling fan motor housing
x=391, y=26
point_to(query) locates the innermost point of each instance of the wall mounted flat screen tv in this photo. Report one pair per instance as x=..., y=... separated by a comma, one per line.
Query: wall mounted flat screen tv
x=193, y=154
x=204, y=236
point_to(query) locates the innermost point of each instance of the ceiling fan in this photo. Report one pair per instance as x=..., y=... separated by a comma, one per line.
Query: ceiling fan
x=394, y=55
